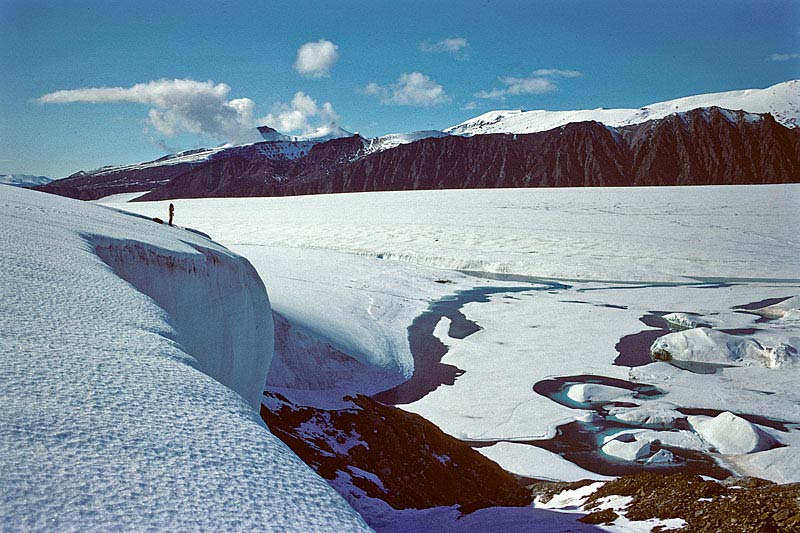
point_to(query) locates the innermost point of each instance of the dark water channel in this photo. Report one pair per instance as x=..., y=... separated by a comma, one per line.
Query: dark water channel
x=427, y=350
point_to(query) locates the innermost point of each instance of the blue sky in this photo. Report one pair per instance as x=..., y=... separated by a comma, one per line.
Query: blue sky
x=380, y=67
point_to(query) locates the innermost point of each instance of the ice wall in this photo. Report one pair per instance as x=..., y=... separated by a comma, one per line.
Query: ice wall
x=216, y=303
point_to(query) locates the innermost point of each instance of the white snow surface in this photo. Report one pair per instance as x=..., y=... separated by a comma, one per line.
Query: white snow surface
x=120, y=197
x=114, y=414
x=536, y=462
x=781, y=100
x=579, y=233
x=392, y=140
x=23, y=180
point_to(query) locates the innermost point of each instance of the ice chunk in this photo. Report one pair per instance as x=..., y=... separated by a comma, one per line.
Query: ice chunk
x=704, y=345
x=661, y=457
x=731, y=434
x=651, y=414
x=684, y=321
x=627, y=451
x=593, y=393
x=677, y=439
x=788, y=309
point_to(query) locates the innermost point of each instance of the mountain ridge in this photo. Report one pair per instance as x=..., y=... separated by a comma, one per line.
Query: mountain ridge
x=781, y=100
x=702, y=146
x=23, y=180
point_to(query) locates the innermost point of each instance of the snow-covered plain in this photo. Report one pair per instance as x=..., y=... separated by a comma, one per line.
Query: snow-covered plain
x=355, y=269
x=115, y=410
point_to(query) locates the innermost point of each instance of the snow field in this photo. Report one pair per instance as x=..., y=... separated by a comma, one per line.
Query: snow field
x=663, y=234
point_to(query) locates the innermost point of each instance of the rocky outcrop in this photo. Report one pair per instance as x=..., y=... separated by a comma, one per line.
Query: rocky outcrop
x=392, y=455
x=737, y=504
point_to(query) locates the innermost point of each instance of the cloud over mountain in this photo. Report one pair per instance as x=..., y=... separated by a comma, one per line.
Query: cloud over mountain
x=412, y=89
x=540, y=81
x=302, y=114
x=315, y=59
x=176, y=106
x=203, y=108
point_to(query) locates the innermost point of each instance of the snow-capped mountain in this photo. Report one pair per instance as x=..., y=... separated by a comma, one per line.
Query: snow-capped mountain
x=724, y=138
x=23, y=180
x=782, y=101
x=326, y=133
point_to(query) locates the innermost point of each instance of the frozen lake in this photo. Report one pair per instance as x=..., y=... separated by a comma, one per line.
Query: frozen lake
x=356, y=271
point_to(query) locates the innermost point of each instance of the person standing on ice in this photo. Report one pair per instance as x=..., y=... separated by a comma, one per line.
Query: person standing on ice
x=171, y=213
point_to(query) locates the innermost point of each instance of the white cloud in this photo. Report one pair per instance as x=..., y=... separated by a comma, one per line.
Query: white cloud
x=516, y=86
x=783, y=57
x=412, y=88
x=302, y=115
x=557, y=73
x=455, y=46
x=540, y=81
x=176, y=106
x=315, y=59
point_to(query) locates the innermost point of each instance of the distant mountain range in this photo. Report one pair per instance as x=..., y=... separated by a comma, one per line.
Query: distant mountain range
x=23, y=180
x=737, y=137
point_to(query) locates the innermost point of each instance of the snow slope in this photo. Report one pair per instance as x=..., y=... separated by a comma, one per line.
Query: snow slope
x=393, y=140
x=114, y=414
x=781, y=100
x=23, y=180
